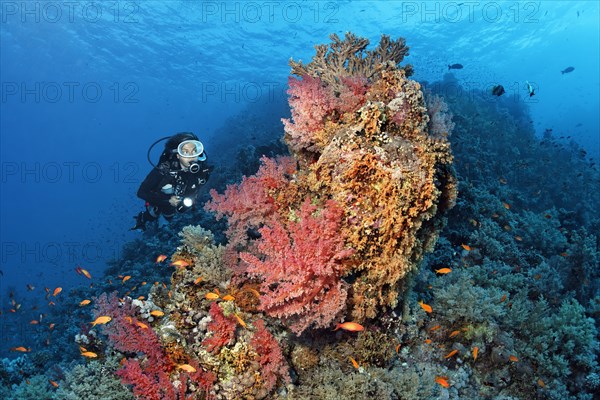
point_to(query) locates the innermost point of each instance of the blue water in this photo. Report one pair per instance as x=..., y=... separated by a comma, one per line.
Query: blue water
x=87, y=87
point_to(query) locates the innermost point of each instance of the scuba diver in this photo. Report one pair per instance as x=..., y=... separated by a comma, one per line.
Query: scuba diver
x=173, y=184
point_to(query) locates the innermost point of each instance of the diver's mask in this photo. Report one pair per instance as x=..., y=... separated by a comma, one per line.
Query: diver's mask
x=192, y=149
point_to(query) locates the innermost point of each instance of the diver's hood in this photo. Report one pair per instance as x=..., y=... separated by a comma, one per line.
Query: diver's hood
x=196, y=151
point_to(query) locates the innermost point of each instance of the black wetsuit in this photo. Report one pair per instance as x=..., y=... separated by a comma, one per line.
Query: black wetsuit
x=184, y=184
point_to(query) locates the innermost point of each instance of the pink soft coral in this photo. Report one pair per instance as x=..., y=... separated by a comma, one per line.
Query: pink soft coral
x=311, y=103
x=302, y=267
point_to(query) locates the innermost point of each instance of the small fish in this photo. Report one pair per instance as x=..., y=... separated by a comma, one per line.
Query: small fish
x=466, y=247
x=89, y=354
x=443, y=271
x=34, y=322
x=228, y=297
x=84, y=302
x=198, y=280
x=126, y=278
x=157, y=313
x=498, y=90
x=86, y=273
x=455, y=66
x=567, y=70
x=564, y=254
x=141, y=325
x=186, y=368
x=506, y=205
x=442, y=380
x=102, y=320
x=350, y=326
x=541, y=383
x=53, y=383
x=502, y=181
x=51, y=326
x=397, y=348
x=502, y=299
x=22, y=349
x=354, y=363
x=454, y=333
x=30, y=287
x=57, y=291
x=426, y=307
x=240, y=320
x=513, y=358
x=453, y=352
x=475, y=352
x=160, y=258
x=427, y=341
x=180, y=263
x=530, y=89
x=211, y=296
x=435, y=328
x=518, y=238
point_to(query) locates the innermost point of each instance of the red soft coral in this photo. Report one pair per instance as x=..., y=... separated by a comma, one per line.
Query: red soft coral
x=302, y=267
x=271, y=358
x=222, y=329
x=150, y=376
x=311, y=103
x=248, y=205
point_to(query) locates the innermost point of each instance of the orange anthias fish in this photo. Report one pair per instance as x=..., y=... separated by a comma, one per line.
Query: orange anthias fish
x=53, y=383
x=180, y=263
x=84, y=302
x=126, y=278
x=466, y=247
x=186, y=368
x=426, y=307
x=350, y=326
x=160, y=258
x=228, y=297
x=475, y=351
x=89, y=354
x=57, y=291
x=454, y=333
x=354, y=362
x=211, y=296
x=513, y=358
x=86, y=273
x=102, y=320
x=442, y=380
x=157, y=313
x=22, y=349
x=240, y=320
x=506, y=205
x=443, y=271
x=453, y=352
